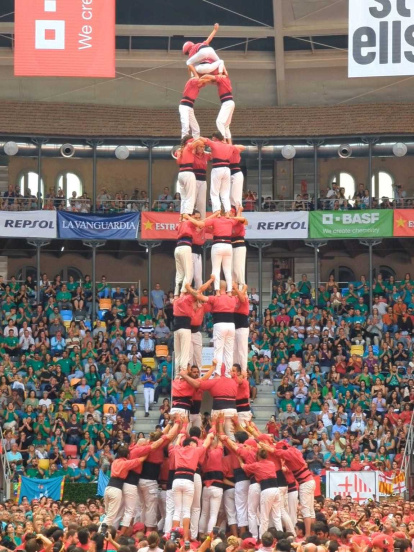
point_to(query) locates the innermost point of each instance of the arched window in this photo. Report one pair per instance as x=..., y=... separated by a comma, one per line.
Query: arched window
x=70, y=184
x=347, y=181
x=26, y=271
x=71, y=271
x=383, y=184
x=29, y=182
x=343, y=275
x=386, y=272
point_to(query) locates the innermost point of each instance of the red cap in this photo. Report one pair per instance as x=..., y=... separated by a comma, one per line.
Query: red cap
x=251, y=443
x=282, y=445
x=249, y=543
x=187, y=47
x=138, y=527
x=383, y=541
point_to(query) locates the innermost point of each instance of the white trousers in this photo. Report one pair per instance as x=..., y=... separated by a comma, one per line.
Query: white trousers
x=241, y=494
x=244, y=417
x=180, y=411
x=241, y=347
x=201, y=197
x=195, y=420
x=130, y=500
x=196, y=506
x=211, y=502
x=149, y=493
x=220, y=188
x=253, y=505
x=223, y=340
x=228, y=414
x=169, y=511
x=230, y=507
x=236, y=189
x=286, y=519
x=224, y=118
x=307, y=498
x=112, y=502
x=197, y=259
x=187, y=187
x=182, y=344
x=293, y=506
x=162, y=509
x=221, y=257
x=183, y=494
x=239, y=265
x=183, y=268
x=189, y=124
x=196, y=348
x=270, y=509
x=148, y=398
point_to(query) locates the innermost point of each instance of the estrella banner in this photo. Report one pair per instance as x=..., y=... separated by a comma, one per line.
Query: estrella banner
x=403, y=223
x=61, y=38
x=36, y=488
x=103, y=481
x=73, y=226
x=160, y=226
x=351, y=224
x=393, y=484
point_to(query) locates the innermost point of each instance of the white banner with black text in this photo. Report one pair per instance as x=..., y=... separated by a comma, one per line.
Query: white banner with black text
x=277, y=226
x=28, y=224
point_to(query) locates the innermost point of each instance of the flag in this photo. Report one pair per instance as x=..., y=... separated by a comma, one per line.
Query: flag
x=36, y=488
x=103, y=480
x=392, y=484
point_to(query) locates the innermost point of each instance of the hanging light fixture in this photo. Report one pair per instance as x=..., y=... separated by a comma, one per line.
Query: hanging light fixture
x=11, y=148
x=399, y=149
x=122, y=153
x=288, y=152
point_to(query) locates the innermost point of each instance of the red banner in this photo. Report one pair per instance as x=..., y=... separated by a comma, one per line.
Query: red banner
x=403, y=222
x=159, y=226
x=64, y=38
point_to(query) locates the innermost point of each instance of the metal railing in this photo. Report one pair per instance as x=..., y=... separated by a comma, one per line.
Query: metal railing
x=6, y=473
x=408, y=452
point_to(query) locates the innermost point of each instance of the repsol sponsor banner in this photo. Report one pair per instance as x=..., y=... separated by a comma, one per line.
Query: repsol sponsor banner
x=277, y=226
x=404, y=222
x=73, y=226
x=28, y=224
x=381, y=38
x=160, y=226
x=64, y=38
x=351, y=224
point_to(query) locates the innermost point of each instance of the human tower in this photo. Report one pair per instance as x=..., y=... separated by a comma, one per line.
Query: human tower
x=184, y=479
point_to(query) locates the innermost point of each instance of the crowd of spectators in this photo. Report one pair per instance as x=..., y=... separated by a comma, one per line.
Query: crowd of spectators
x=68, y=392
x=346, y=393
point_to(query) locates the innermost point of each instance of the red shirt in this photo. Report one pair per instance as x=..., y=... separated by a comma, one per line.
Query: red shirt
x=296, y=462
x=181, y=388
x=242, y=307
x=291, y=481
x=221, y=152
x=196, y=48
x=224, y=87
x=191, y=92
x=243, y=390
x=199, y=237
x=121, y=466
x=200, y=165
x=186, y=159
x=187, y=228
x=184, y=306
x=222, y=226
x=197, y=316
x=213, y=463
x=165, y=468
x=220, y=387
x=187, y=458
x=229, y=462
x=222, y=303
x=137, y=452
x=265, y=469
x=239, y=230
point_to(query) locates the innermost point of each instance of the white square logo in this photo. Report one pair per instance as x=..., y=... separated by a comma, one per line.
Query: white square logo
x=50, y=35
x=327, y=219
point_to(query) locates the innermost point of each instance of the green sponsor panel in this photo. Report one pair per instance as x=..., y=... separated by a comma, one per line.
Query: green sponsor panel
x=351, y=224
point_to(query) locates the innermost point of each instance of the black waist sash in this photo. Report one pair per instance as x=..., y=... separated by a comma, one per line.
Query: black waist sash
x=268, y=484
x=116, y=482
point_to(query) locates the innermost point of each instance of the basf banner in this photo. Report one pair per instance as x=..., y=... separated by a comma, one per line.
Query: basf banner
x=72, y=226
x=404, y=223
x=351, y=224
x=28, y=224
x=277, y=226
x=64, y=38
x=381, y=38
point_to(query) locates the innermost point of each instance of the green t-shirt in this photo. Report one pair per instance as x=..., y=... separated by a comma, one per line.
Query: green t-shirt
x=42, y=428
x=64, y=296
x=284, y=404
x=65, y=364
x=134, y=368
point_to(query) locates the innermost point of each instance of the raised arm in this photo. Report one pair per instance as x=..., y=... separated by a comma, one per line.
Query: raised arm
x=213, y=33
x=207, y=375
x=205, y=286
x=196, y=294
x=194, y=383
x=198, y=223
